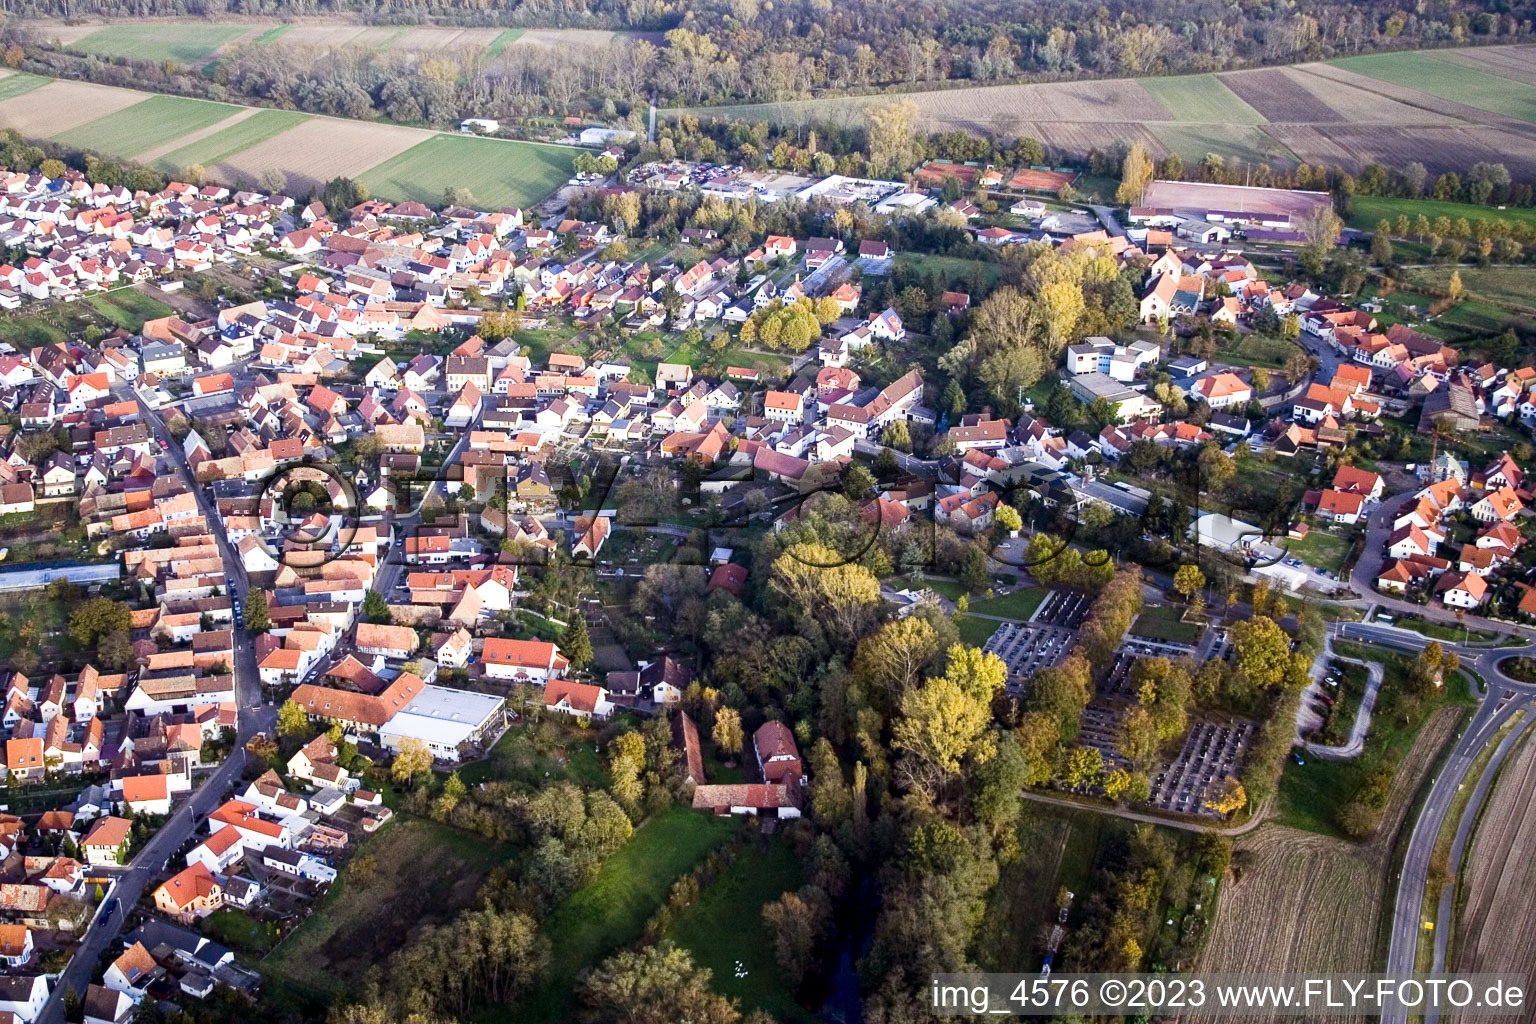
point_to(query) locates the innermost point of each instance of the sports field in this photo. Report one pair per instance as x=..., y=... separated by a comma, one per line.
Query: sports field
x=226, y=142
x=146, y=125
x=185, y=42
x=496, y=172
x=1448, y=80
x=1200, y=98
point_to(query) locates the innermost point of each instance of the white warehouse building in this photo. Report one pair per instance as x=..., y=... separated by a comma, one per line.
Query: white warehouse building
x=446, y=720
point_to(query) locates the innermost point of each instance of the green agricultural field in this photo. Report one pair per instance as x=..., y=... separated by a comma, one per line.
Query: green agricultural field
x=1368, y=210
x=188, y=42
x=20, y=84
x=226, y=142
x=1449, y=81
x=1200, y=98
x=504, y=40
x=272, y=34
x=146, y=125
x=725, y=924
x=496, y=172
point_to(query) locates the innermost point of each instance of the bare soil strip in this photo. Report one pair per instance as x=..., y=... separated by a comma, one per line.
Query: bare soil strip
x=320, y=149
x=59, y=106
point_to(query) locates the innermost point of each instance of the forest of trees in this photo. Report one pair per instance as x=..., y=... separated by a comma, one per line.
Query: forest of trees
x=722, y=51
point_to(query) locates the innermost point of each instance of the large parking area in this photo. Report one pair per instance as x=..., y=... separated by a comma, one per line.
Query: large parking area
x=1063, y=608
x=1212, y=750
x=1101, y=730
x=1026, y=648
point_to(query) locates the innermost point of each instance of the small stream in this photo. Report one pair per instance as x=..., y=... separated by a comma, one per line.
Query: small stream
x=845, y=1001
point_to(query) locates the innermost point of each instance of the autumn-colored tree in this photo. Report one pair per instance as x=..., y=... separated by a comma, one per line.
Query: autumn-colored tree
x=1262, y=650
x=1084, y=768
x=940, y=724
x=889, y=660
x=626, y=764
x=727, y=732
x=1007, y=517
x=1188, y=579
x=893, y=136
x=1226, y=796
x=411, y=759
x=1135, y=174
x=980, y=674
x=292, y=720
x=821, y=583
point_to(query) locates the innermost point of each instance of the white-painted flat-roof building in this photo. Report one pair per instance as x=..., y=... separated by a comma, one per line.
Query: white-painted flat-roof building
x=446, y=720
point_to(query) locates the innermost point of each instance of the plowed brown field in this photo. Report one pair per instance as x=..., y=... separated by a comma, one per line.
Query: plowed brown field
x=1305, y=903
x=1498, y=917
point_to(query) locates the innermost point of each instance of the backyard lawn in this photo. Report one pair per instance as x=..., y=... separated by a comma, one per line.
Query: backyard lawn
x=1320, y=549
x=129, y=308
x=540, y=754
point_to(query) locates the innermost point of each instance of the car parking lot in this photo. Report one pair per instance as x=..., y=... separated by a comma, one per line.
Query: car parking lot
x=1064, y=608
x=1101, y=730
x=1026, y=648
x=1212, y=750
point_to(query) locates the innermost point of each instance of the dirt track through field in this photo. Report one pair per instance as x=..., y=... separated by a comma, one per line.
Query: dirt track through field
x=320, y=149
x=59, y=106
x=149, y=156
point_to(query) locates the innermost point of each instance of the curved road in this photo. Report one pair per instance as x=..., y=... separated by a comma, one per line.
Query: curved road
x=1443, y=919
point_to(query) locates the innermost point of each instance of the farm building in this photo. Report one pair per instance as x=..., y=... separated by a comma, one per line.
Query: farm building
x=1169, y=203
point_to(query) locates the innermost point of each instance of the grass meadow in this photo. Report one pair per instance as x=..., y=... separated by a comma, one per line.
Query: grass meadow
x=496, y=172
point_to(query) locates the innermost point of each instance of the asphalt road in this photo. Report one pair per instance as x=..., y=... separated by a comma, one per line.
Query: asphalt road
x=1407, y=921
x=1443, y=921
x=251, y=717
